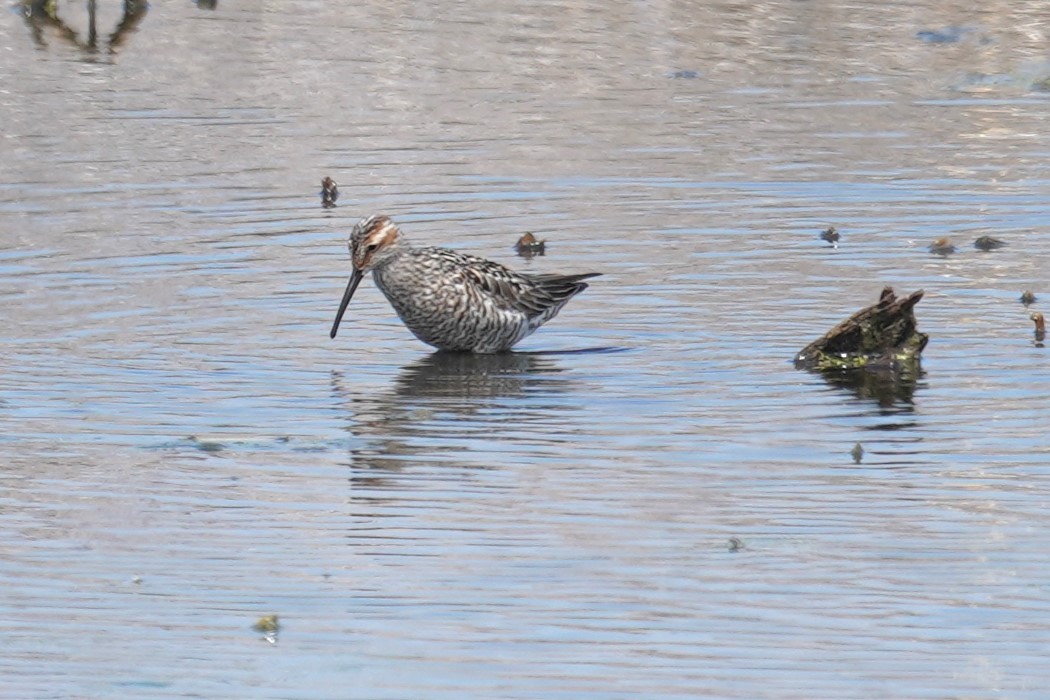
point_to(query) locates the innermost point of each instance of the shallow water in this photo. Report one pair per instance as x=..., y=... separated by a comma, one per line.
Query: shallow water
x=186, y=451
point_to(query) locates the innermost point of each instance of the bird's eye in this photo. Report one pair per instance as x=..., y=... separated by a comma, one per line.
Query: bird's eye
x=371, y=247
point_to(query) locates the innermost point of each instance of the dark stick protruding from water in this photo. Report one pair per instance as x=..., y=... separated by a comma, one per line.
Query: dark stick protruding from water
x=1040, y=326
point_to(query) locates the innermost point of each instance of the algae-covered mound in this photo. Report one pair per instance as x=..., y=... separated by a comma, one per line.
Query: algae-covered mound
x=884, y=336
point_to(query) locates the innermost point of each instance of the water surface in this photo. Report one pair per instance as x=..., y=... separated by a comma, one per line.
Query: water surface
x=185, y=450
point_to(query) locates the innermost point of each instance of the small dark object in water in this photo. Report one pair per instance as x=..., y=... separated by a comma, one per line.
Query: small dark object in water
x=528, y=245
x=1027, y=297
x=942, y=246
x=735, y=544
x=857, y=453
x=1040, y=326
x=948, y=35
x=329, y=193
x=831, y=236
x=884, y=335
x=987, y=243
x=685, y=74
x=205, y=445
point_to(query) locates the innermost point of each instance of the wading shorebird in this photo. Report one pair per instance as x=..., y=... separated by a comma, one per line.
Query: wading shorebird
x=453, y=301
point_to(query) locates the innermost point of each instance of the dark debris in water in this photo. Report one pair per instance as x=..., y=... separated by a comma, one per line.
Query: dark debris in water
x=831, y=235
x=857, y=453
x=1028, y=297
x=329, y=193
x=684, y=74
x=942, y=247
x=528, y=245
x=206, y=445
x=1040, y=328
x=736, y=544
x=987, y=243
x=883, y=334
x=875, y=352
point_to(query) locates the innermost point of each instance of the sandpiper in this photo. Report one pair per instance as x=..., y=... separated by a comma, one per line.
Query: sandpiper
x=453, y=301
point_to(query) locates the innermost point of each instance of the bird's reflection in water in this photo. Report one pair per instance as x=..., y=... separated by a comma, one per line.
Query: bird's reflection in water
x=43, y=18
x=460, y=378
x=450, y=408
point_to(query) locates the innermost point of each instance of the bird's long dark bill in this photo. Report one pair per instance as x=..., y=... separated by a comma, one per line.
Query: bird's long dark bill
x=351, y=286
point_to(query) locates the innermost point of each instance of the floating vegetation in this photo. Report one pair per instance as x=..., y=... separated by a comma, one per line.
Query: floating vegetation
x=267, y=623
x=269, y=626
x=831, y=235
